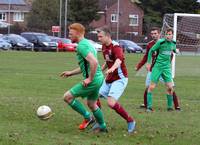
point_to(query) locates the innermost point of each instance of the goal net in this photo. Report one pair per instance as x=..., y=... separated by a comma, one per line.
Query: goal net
x=186, y=32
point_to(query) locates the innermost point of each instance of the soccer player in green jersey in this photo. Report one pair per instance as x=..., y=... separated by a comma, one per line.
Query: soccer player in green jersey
x=155, y=34
x=93, y=79
x=162, y=67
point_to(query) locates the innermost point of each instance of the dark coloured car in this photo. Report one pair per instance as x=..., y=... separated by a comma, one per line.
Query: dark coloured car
x=130, y=46
x=41, y=41
x=18, y=42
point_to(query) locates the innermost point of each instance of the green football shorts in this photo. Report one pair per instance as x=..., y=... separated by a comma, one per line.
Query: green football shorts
x=91, y=92
x=158, y=72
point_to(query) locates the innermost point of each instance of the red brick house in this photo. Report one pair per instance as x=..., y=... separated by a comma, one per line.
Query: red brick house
x=12, y=11
x=130, y=16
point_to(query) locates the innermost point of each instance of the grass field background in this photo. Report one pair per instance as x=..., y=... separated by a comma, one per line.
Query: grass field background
x=29, y=79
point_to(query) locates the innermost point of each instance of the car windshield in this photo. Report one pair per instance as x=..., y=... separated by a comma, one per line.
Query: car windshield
x=43, y=38
x=54, y=39
x=19, y=39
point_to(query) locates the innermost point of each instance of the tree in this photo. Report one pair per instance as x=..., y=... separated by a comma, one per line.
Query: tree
x=84, y=11
x=17, y=28
x=43, y=15
x=46, y=13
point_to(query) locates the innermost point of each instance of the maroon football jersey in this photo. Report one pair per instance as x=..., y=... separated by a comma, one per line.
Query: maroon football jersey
x=110, y=54
x=144, y=59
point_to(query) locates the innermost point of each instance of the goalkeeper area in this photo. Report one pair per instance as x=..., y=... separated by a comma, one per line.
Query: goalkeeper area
x=186, y=31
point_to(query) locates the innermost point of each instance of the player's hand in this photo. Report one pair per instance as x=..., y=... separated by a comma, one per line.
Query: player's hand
x=111, y=70
x=86, y=82
x=148, y=66
x=65, y=74
x=136, y=69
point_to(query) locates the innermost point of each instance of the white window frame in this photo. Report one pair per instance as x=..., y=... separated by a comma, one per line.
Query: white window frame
x=18, y=16
x=133, y=18
x=3, y=18
x=113, y=18
x=135, y=33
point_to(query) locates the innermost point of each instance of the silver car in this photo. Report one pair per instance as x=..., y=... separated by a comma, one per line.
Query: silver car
x=130, y=46
x=4, y=45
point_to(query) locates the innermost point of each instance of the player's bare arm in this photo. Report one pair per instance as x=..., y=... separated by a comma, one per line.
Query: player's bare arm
x=70, y=73
x=142, y=62
x=115, y=65
x=104, y=66
x=93, y=67
x=148, y=66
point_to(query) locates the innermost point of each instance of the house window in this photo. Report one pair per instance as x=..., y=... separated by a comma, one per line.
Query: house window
x=134, y=33
x=18, y=16
x=113, y=17
x=133, y=20
x=2, y=16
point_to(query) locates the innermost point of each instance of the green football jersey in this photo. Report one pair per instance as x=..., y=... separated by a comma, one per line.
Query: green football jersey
x=83, y=48
x=164, y=49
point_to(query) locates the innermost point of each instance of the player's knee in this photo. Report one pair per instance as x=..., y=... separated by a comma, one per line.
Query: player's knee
x=170, y=90
x=111, y=105
x=151, y=87
x=111, y=102
x=92, y=105
x=67, y=97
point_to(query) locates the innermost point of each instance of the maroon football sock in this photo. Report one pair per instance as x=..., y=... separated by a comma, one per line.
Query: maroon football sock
x=121, y=111
x=175, y=100
x=145, y=97
x=99, y=103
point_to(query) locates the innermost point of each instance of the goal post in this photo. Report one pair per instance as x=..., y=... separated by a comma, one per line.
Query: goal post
x=186, y=29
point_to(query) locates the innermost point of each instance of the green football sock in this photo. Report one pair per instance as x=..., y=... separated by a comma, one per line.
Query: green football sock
x=149, y=100
x=169, y=101
x=99, y=117
x=78, y=107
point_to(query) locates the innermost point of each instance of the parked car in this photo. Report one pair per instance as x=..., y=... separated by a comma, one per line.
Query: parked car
x=18, y=42
x=96, y=45
x=41, y=41
x=130, y=46
x=4, y=45
x=64, y=44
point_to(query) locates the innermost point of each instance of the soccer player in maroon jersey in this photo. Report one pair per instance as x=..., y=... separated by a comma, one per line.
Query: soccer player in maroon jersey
x=116, y=76
x=155, y=34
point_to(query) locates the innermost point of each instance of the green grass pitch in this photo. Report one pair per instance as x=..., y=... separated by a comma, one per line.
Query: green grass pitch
x=29, y=79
